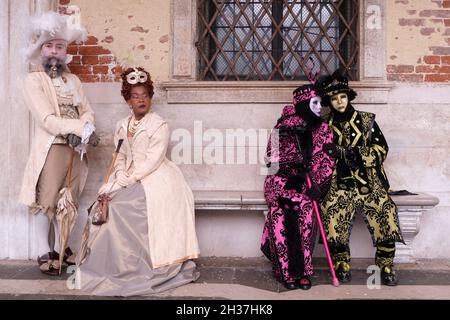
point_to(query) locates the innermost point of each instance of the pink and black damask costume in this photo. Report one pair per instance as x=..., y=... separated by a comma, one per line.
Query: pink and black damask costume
x=294, y=150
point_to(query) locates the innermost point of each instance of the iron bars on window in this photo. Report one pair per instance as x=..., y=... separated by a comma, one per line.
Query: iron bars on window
x=273, y=39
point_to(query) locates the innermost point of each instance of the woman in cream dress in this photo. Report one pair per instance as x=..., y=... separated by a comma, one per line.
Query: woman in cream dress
x=147, y=243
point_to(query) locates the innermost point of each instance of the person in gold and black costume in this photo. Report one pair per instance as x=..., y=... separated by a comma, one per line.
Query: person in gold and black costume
x=359, y=182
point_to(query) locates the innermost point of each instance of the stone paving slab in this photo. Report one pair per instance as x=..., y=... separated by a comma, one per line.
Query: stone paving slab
x=238, y=278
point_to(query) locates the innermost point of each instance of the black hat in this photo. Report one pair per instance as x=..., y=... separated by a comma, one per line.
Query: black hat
x=334, y=84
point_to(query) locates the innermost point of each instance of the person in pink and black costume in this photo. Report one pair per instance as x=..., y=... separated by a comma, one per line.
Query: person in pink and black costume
x=295, y=149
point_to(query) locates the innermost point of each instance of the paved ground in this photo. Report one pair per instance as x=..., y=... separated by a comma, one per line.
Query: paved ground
x=244, y=279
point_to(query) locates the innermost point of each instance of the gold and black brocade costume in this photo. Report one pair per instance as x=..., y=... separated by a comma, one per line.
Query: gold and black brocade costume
x=362, y=188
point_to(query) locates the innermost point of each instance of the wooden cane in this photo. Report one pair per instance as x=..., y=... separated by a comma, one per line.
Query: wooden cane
x=111, y=167
x=69, y=173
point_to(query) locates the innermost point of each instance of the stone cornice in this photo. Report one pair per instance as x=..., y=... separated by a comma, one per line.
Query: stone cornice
x=261, y=92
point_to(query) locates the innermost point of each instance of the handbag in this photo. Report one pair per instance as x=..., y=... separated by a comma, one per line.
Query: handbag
x=100, y=213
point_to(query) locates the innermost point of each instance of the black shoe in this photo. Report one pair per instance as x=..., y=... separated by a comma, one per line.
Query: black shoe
x=343, y=272
x=69, y=257
x=304, y=283
x=47, y=257
x=290, y=285
x=388, y=276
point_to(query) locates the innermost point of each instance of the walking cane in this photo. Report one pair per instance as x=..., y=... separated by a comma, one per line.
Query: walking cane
x=335, y=280
x=111, y=167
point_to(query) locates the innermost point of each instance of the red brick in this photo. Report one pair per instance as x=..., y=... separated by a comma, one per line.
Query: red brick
x=441, y=51
x=437, y=77
x=444, y=69
x=64, y=2
x=447, y=22
x=411, y=22
x=81, y=69
x=92, y=60
x=93, y=50
x=446, y=4
x=432, y=59
x=108, y=39
x=405, y=77
x=400, y=68
x=434, y=69
x=105, y=59
x=91, y=41
x=424, y=69
x=101, y=70
x=72, y=50
x=435, y=13
x=76, y=60
x=117, y=70
x=445, y=60
x=139, y=29
x=427, y=31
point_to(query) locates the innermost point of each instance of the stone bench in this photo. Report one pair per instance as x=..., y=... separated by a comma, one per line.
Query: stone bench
x=410, y=210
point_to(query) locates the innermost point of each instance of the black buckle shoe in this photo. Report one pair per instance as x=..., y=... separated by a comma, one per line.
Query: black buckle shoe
x=388, y=276
x=290, y=285
x=343, y=272
x=304, y=283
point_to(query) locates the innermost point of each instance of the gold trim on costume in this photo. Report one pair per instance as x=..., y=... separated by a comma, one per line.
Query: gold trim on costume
x=358, y=133
x=338, y=132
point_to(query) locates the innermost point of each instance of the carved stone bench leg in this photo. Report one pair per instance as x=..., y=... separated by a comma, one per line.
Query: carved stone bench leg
x=409, y=225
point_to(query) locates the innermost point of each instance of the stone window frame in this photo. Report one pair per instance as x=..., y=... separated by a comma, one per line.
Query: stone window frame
x=184, y=88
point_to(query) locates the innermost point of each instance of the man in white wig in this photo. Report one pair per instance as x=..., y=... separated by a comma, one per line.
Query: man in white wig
x=64, y=125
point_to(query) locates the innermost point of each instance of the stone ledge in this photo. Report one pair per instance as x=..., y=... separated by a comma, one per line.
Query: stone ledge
x=254, y=200
x=261, y=92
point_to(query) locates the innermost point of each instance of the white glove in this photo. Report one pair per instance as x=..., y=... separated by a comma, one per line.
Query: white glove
x=108, y=188
x=124, y=179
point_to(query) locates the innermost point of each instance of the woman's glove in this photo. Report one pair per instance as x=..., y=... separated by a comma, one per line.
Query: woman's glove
x=124, y=179
x=295, y=183
x=108, y=188
x=314, y=192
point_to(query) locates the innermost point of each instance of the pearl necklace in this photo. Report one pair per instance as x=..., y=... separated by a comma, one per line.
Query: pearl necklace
x=134, y=125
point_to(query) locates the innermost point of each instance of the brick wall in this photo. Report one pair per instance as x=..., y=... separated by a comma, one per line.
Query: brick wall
x=434, y=21
x=92, y=62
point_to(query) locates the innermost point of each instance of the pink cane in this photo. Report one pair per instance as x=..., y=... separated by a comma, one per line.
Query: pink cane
x=335, y=280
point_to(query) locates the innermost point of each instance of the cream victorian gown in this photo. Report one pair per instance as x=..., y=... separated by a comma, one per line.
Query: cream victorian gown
x=149, y=239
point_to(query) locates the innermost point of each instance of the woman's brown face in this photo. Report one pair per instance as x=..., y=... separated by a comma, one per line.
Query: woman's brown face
x=140, y=101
